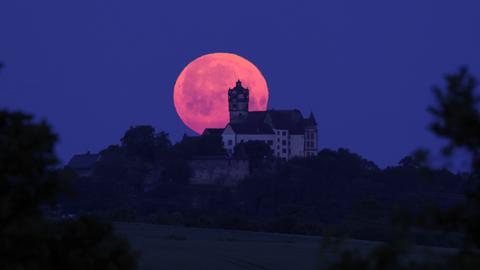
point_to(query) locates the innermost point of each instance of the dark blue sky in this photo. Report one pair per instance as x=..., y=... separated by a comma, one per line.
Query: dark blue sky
x=93, y=68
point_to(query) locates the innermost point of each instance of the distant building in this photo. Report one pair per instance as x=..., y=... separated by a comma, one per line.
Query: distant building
x=83, y=164
x=287, y=132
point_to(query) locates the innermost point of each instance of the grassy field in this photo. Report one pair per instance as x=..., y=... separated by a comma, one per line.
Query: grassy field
x=181, y=248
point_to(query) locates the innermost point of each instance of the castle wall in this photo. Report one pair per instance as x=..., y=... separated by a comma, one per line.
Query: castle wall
x=311, y=141
x=218, y=171
x=229, y=139
x=267, y=138
x=281, y=143
x=297, y=146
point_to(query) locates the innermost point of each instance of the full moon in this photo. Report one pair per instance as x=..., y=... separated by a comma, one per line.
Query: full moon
x=201, y=90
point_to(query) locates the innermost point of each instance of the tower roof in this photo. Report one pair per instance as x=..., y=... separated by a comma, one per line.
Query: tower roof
x=310, y=121
x=238, y=87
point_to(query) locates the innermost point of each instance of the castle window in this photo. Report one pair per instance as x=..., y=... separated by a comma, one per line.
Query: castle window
x=284, y=150
x=284, y=133
x=230, y=142
x=284, y=142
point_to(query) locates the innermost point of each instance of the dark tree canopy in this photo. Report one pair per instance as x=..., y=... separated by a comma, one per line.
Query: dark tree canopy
x=177, y=171
x=140, y=141
x=456, y=114
x=26, y=155
x=257, y=152
x=163, y=145
x=28, y=184
x=205, y=145
x=253, y=150
x=457, y=119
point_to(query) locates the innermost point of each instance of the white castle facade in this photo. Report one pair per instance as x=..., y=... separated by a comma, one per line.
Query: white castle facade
x=287, y=132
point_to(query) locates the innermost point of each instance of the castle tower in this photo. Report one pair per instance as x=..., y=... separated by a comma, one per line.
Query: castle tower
x=311, y=136
x=238, y=103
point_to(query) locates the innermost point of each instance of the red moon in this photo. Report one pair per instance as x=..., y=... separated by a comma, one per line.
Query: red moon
x=201, y=90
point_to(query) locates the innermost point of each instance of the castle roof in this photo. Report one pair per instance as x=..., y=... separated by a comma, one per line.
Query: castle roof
x=291, y=120
x=264, y=122
x=253, y=124
x=246, y=128
x=256, y=117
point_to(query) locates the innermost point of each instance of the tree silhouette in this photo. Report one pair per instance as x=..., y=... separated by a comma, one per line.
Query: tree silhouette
x=140, y=141
x=257, y=153
x=254, y=150
x=457, y=119
x=195, y=146
x=29, y=186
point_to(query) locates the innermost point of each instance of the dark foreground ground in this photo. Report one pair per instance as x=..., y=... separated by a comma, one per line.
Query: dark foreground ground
x=181, y=248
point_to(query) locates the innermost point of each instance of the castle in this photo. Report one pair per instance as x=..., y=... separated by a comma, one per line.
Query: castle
x=287, y=132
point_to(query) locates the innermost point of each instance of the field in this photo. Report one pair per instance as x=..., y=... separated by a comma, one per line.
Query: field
x=181, y=248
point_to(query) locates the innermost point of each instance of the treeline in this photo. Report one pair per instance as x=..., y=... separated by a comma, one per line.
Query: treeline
x=146, y=179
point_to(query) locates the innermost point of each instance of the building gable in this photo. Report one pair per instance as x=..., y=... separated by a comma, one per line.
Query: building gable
x=291, y=120
x=228, y=130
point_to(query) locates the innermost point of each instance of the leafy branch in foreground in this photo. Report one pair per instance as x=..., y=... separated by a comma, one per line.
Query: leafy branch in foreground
x=29, y=186
x=457, y=119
